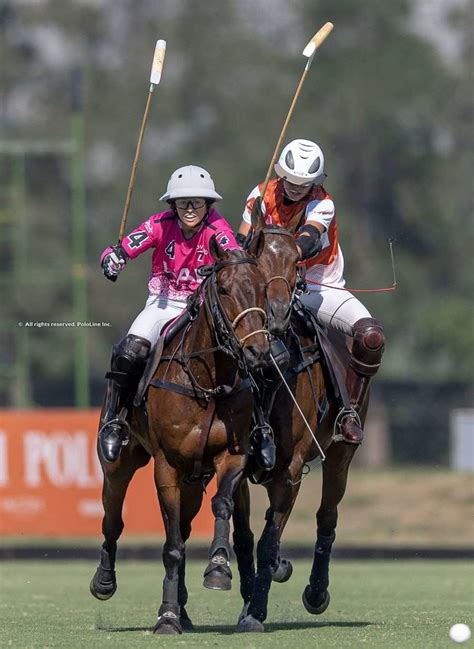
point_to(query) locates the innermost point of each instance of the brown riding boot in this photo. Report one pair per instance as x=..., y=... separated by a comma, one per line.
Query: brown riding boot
x=367, y=350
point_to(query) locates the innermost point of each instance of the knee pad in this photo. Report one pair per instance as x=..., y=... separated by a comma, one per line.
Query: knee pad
x=368, y=346
x=130, y=354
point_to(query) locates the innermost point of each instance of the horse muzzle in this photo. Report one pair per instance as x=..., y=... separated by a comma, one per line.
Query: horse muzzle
x=278, y=317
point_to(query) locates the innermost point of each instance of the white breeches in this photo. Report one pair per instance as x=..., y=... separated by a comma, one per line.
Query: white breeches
x=157, y=312
x=335, y=308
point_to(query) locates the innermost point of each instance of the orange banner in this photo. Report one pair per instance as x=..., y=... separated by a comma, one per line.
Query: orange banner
x=51, y=479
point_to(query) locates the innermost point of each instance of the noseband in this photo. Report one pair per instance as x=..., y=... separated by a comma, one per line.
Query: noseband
x=272, y=229
x=224, y=329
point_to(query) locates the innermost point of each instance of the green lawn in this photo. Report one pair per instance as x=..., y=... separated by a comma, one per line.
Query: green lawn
x=374, y=604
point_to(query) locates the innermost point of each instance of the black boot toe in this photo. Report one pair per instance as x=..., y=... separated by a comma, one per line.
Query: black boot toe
x=111, y=438
x=265, y=453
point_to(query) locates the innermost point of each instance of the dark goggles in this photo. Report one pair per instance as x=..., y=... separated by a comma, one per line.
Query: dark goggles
x=195, y=203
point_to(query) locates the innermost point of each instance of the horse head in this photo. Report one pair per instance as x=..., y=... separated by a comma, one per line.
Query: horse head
x=236, y=299
x=278, y=264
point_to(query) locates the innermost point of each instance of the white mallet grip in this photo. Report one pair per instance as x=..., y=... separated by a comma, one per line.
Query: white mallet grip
x=158, y=60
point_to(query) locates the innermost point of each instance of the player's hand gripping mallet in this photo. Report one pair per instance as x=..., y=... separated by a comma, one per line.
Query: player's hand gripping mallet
x=155, y=77
x=309, y=51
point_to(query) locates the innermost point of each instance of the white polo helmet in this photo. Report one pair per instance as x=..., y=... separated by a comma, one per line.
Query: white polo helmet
x=301, y=162
x=189, y=182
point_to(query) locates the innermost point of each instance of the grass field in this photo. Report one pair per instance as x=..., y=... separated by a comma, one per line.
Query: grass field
x=389, y=605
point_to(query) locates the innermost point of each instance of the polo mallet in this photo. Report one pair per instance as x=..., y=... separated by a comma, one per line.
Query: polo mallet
x=155, y=77
x=309, y=51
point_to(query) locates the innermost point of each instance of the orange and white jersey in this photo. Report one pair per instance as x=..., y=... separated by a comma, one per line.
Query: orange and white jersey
x=316, y=207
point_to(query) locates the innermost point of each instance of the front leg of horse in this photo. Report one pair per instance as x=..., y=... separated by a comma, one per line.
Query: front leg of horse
x=229, y=470
x=335, y=470
x=267, y=559
x=169, y=614
x=169, y=494
x=191, y=501
x=243, y=543
x=116, y=480
x=218, y=575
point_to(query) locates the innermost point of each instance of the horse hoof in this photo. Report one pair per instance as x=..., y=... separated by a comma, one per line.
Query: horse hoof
x=283, y=571
x=249, y=624
x=185, y=620
x=319, y=603
x=168, y=624
x=243, y=613
x=101, y=590
x=217, y=580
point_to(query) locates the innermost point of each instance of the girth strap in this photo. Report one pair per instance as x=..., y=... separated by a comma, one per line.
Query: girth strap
x=220, y=392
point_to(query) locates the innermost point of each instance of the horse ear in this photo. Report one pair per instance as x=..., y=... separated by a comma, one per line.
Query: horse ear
x=217, y=252
x=255, y=248
x=258, y=222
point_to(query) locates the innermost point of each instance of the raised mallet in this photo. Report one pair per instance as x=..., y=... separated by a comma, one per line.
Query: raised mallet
x=155, y=77
x=309, y=52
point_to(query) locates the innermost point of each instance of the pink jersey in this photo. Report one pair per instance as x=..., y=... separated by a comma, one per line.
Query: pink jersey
x=176, y=259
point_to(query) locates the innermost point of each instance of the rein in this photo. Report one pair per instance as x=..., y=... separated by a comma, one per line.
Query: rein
x=224, y=331
x=273, y=229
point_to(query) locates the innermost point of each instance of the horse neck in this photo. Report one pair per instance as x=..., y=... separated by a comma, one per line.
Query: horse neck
x=201, y=337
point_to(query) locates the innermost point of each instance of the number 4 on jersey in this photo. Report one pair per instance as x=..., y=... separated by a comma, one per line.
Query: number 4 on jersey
x=136, y=239
x=170, y=250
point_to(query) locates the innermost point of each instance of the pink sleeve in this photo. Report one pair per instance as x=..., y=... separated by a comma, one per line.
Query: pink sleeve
x=142, y=238
x=224, y=234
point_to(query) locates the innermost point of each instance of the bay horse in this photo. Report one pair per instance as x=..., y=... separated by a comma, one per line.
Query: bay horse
x=309, y=382
x=199, y=410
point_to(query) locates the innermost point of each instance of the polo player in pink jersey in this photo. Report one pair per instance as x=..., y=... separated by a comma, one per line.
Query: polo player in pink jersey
x=180, y=238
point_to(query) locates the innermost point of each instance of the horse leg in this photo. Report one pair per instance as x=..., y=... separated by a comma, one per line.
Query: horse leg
x=191, y=500
x=281, y=501
x=284, y=568
x=229, y=470
x=169, y=494
x=243, y=543
x=116, y=480
x=335, y=470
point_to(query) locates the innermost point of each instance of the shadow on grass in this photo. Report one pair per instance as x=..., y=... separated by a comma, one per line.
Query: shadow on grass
x=226, y=629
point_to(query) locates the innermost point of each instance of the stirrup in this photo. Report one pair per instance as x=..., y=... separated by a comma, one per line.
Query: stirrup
x=337, y=436
x=113, y=435
x=124, y=425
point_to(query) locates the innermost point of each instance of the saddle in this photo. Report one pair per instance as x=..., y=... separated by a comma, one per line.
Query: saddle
x=171, y=329
x=329, y=344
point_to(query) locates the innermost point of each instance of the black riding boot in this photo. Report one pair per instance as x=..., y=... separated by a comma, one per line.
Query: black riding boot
x=128, y=362
x=367, y=350
x=262, y=442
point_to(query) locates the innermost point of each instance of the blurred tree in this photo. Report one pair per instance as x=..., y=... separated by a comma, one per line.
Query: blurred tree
x=393, y=119
x=378, y=105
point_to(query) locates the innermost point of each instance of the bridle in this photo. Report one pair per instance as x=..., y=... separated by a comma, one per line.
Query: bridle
x=224, y=328
x=292, y=292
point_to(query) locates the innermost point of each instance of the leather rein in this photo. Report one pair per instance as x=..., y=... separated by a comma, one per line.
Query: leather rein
x=225, y=335
x=292, y=293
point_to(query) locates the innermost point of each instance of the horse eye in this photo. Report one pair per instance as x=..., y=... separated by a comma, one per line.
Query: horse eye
x=222, y=290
